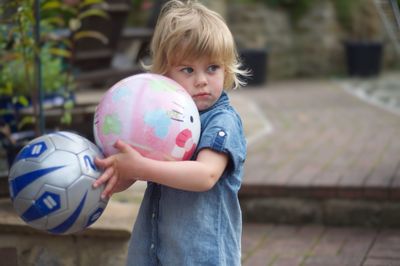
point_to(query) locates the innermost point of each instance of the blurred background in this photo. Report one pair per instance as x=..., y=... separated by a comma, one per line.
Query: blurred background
x=92, y=44
x=57, y=58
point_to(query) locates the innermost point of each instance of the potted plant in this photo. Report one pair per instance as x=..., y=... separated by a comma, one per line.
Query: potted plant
x=253, y=36
x=250, y=40
x=60, y=27
x=363, y=42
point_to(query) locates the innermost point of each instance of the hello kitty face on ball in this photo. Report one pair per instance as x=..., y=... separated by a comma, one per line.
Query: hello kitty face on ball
x=152, y=113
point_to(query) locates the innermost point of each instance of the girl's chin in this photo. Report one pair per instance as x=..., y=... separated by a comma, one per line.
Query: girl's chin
x=201, y=106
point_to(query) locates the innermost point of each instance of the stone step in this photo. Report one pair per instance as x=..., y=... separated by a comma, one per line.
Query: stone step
x=104, y=243
x=327, y=156
x=325, y=211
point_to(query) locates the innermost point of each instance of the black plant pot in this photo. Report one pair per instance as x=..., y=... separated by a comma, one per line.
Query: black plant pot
x=256, y=61
x=363, y=59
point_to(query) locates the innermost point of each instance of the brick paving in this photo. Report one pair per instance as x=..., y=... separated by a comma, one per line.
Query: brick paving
x=314, y=245
x=323, y=139
x=327, y=149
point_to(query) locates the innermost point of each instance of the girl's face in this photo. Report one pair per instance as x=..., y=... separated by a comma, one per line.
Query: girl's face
x=201, y=78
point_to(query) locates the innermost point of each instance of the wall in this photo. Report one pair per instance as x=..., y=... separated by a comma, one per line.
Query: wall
x=105, y=243
x=310, y=48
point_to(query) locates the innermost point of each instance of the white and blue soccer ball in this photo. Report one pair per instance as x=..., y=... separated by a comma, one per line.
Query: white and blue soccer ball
x=51, y=181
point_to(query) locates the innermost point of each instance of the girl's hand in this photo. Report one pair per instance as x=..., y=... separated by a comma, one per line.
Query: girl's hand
x=118, y=169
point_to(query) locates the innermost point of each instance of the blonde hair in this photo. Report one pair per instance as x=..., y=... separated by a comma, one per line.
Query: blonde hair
x=189, y=30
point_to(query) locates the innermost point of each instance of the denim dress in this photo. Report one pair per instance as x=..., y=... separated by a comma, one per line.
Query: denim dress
x=176, y=227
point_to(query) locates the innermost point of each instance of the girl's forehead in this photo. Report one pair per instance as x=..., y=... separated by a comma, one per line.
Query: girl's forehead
x=193, y=50
x=199, y=60
x=189, y=58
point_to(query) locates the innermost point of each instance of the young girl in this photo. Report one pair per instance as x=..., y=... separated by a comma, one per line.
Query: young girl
x=190, y=213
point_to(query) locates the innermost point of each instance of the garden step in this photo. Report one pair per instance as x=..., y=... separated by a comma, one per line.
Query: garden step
x=317, y=154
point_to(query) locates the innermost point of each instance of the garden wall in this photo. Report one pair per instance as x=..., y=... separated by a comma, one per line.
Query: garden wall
x=311, y=47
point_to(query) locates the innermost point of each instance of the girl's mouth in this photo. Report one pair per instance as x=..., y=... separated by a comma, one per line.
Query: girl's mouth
x=201, y=95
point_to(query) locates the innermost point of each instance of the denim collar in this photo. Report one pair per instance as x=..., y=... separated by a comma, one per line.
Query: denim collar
x=222, y=101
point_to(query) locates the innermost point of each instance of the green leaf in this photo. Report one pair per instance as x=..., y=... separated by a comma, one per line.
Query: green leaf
x=86, y=3
x=75, y=24
x=26, y=120
x=23, y=101
x=93, y=12
x=58, y=21
x=67, y=43
x=71, y=10
x=7, y=89
x=60, y=52
x=68, y=105
x=5, y=112
x=51, y=5
x=66, y=118
x=91, y=34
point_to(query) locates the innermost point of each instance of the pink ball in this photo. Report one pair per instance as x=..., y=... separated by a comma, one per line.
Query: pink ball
x=150, y=112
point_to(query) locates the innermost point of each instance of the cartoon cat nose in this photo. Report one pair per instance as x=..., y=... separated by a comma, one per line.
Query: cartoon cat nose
x=183, y=137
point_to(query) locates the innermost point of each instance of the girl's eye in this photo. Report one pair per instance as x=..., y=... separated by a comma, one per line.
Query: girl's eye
x=213, y=68
x=187, y=70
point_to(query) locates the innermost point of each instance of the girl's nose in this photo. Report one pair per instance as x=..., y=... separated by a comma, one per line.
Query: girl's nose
x=201, y=80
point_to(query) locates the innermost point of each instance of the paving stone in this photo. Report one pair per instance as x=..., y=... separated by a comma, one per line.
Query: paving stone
x=333, y=147
x=332, y=261
x=381, y=262
x=253, y=237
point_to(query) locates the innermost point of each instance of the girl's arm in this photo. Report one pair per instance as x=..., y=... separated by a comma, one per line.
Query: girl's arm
x=128, y=165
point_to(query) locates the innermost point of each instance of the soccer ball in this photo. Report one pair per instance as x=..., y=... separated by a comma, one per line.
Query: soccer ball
x=51, y=181
x=152, y=113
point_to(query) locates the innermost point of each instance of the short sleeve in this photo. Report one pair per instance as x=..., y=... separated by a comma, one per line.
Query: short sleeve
x=223, y=132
